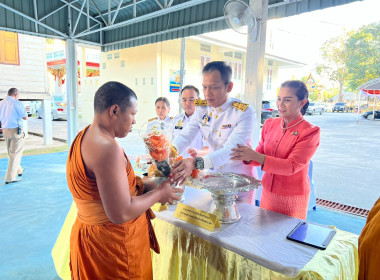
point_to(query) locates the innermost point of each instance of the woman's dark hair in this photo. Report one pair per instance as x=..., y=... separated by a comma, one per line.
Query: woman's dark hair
x=112, y=93
x=224, y=70
x=163, y=99
x=301, y=92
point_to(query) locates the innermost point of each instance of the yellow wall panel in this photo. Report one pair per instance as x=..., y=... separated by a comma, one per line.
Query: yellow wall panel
x=9, y=52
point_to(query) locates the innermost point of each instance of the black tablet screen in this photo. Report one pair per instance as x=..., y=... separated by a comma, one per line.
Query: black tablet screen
x=312, y=234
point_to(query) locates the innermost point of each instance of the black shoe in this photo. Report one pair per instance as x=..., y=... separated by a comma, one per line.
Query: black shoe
x=13, y=181
x=20, y=174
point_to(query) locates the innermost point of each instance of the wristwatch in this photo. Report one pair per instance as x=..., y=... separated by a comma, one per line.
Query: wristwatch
x=199, y=163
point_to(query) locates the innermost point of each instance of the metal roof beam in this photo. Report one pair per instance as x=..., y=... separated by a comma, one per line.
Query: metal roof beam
x=35, y=14
x=117, y=11
x=76, y=8
x=88, y=14
x=159, y=4
x=170, y=3
x=33, y=20
x=78, y=18
x=100, y=13
x=285, y=2
x=122, y=7
x=167, y=31
x=109, y=12
x=53, y=12
x=147, y=16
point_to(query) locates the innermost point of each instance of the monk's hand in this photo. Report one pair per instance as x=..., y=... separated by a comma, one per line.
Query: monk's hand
x=181, y=170
x=244, y=153
x=168, y=192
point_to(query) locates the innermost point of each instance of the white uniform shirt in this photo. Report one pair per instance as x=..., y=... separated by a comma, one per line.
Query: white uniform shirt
x=11, y=113
x=179, y=124
x=165, y=124
x=223, y=128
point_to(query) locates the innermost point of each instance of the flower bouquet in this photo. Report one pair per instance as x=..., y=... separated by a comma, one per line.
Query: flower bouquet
x=157, y=140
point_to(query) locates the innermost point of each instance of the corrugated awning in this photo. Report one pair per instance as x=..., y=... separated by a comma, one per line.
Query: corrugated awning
x=117, y=24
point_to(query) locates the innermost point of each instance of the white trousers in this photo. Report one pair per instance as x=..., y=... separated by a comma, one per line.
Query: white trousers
x=15, y=147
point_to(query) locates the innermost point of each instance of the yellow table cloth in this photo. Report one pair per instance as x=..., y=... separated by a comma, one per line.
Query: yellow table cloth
x=186, y=255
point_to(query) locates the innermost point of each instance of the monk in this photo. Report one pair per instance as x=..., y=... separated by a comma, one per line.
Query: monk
x=369, y=246
x=112, y=235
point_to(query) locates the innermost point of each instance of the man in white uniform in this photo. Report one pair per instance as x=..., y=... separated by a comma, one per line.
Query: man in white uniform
x=12, y=112
x=188, y=95
x=224, y=123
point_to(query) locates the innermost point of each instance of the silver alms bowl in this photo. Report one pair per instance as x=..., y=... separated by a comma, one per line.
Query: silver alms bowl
x=224, y=188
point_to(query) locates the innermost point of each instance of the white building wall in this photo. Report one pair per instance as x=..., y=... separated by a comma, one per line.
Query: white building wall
x=31, y=75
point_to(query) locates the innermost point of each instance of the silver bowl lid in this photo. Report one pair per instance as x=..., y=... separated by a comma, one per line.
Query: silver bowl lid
x=227, y=182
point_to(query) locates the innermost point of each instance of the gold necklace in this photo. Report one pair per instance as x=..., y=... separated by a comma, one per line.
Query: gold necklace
x=285, y=128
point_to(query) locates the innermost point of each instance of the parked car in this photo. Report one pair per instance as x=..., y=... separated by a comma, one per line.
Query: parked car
x=28, y=107
x=369, y=115
x=268, y=110
x=1, y=132
x=58, y=111
x=340, y=107
x=315, y=108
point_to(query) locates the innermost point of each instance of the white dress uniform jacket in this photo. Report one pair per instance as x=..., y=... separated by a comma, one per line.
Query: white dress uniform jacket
x=223, y=128
x=165, y=124
x=179, y=124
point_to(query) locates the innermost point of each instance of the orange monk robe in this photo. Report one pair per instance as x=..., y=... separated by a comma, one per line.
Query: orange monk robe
x=369, y=246
x=100, y=249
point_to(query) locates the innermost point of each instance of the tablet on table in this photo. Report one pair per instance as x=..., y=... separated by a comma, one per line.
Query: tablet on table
x=314, y=235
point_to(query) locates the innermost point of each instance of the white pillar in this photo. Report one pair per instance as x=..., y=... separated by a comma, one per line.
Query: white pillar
x=71, y=91
x=182, y=72
x=47, y=130
x=254, y=71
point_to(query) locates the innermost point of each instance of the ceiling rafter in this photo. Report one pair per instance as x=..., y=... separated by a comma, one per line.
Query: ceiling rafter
x=100, y=13
x=167, y=31
x=33, y=20
x=125, y=6
x=147, y=16
x=71, y=4
x=159, y=4
x=78, y=18
x=117, y=11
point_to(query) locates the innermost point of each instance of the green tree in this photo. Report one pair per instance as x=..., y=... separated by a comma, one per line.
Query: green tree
x=335, y=58
x=363, y=52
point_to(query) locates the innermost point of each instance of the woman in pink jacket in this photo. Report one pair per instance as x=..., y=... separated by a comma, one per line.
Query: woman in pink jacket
x=284, y=152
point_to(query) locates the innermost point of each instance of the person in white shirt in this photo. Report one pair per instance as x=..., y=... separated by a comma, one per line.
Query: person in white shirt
x=224, y=123
x=12, y=112
x=188, y=96
x=163, y=121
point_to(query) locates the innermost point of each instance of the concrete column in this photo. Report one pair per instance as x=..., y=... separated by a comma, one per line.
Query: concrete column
x=182, y=72
x=47, y=129
x=254, y=71
x=71, y=91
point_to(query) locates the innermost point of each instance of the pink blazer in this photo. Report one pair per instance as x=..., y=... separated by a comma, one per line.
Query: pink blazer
x=288, y=153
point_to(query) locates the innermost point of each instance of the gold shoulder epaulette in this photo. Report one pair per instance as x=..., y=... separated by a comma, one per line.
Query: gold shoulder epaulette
x=152, y=119
x=200, y=102
x=171, y=118
x=239, y=105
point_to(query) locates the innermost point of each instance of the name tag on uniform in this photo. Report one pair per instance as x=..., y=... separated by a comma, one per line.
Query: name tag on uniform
x=225, y=126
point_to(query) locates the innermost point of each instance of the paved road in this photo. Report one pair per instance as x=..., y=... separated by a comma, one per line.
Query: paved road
x=346, y=164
